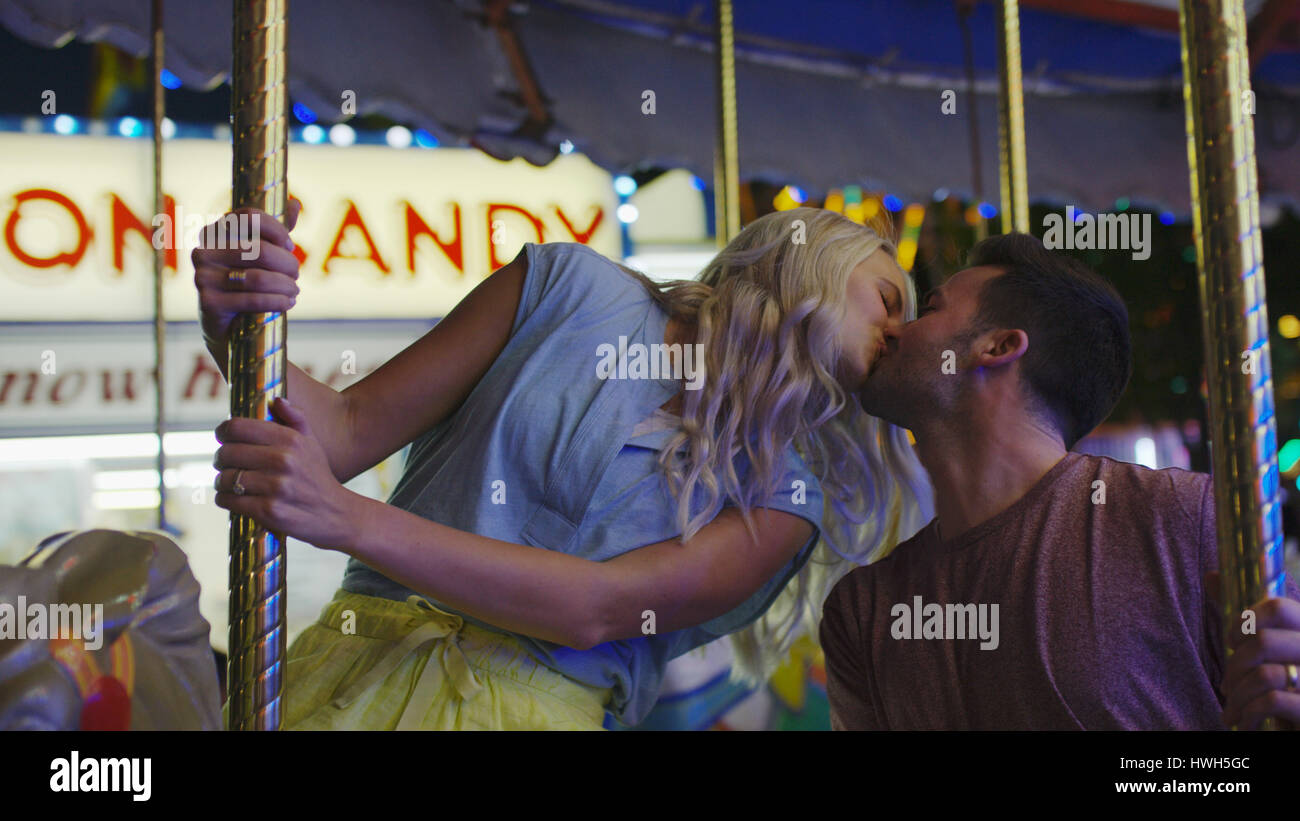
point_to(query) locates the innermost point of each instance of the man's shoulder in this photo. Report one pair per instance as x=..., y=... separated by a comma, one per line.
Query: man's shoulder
x=1147, y=476
x=1158, y=490
x=863, y=578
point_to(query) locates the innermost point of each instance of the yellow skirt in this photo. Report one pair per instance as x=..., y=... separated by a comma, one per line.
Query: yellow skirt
x=370, y=663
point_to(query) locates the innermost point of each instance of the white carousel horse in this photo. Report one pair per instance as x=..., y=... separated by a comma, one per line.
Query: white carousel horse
x=100, y=629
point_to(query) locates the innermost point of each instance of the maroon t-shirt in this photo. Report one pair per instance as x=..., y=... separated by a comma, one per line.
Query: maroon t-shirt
x=1101, y=622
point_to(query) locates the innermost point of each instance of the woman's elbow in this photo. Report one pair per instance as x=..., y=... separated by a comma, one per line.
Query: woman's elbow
x=601, y=614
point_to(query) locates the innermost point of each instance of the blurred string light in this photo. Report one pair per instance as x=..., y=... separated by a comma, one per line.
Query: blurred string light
x=342, y=134
x=1178, y=385
x=398, y=137
x=787, y=198
x=169, y=80
x=834, y=201
x=853, y=207
x=566, y=146
x=313, y=134
x=1122, y=204
x=1166, y=217
x=940, y=194
x=1189, y=253
x=64, y=124
x=1144, y=452
x=304, y=114
x=1289, y=326
x=892, y=203
x=168, y=128
x=130, y=127
x=698, y=183
x=627, y=213
x=624, y=185
x=424, y=139
x=987, y=210
x=1288, y=456
x=910, y=235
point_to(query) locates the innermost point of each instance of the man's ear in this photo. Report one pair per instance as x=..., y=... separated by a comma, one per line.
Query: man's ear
x=1001, y=347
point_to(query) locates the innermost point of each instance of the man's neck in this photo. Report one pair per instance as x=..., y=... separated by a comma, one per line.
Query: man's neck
x=984, y=464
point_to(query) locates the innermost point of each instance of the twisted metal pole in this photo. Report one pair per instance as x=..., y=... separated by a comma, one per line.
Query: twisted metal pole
x=726, y=159
x=259, y=99
x=158, y=104
x=1230, y=276
x=1011, y=121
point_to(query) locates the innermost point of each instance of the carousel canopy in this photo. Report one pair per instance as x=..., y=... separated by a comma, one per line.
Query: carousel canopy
x=830, y=92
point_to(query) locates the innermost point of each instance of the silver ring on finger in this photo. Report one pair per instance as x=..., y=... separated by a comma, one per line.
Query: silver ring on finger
x=1293, y=678
x=236, y=275
x=238, y=488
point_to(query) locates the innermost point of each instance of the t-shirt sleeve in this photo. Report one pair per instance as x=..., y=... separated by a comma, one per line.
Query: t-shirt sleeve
x=848, y=688
x=565, y=281
x=1209, y=546
x=797, y=492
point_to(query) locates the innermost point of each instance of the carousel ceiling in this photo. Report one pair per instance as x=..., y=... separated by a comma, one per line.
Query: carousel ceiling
x=829, y=91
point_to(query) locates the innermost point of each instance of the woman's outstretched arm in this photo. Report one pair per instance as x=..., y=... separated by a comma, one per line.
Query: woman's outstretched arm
x=553, y=596
x=573, y=601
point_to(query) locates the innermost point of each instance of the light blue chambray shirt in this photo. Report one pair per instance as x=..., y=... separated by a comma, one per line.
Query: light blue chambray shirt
x=541, y=421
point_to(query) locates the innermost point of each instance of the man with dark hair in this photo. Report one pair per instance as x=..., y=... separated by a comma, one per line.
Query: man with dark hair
x=1053, y=590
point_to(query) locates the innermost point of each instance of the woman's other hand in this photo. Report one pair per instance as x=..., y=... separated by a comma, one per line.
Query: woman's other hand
x=284, y=479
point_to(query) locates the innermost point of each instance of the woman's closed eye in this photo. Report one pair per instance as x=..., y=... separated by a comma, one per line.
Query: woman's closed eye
x=891, y=307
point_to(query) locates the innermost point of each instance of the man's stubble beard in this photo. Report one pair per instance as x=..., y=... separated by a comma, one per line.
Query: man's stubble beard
x=904, y=390
x=888, y=393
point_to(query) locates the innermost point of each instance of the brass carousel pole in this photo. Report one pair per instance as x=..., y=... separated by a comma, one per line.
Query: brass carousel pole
x=1229, y=259
x=726, y=159
x=159, y=260
x=255, y=682
x=1011, y=121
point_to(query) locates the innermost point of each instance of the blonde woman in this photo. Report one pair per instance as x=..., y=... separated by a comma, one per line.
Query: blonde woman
x=569, y=520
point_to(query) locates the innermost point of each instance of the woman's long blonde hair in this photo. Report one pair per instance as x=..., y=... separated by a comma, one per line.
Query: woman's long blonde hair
x=767, y=309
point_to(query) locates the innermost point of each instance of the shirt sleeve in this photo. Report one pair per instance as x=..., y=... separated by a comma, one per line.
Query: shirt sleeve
x=797, y=492
x=1209, y=546
x=565, y=281
x=848, y=687
x=1209, y=561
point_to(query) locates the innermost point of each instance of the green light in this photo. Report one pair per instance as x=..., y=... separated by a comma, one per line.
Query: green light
x=1288, y=455
x=1121, y=204
x=1189, y=254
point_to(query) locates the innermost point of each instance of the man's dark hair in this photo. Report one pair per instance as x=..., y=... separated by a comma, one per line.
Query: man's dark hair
x=1078, y=361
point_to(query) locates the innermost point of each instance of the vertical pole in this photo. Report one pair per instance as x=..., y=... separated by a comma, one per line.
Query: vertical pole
x=159, y=259
x=1230, y=276
x=964, y=11
x=1011, y=121
x=259, y=100
x=726, y=160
